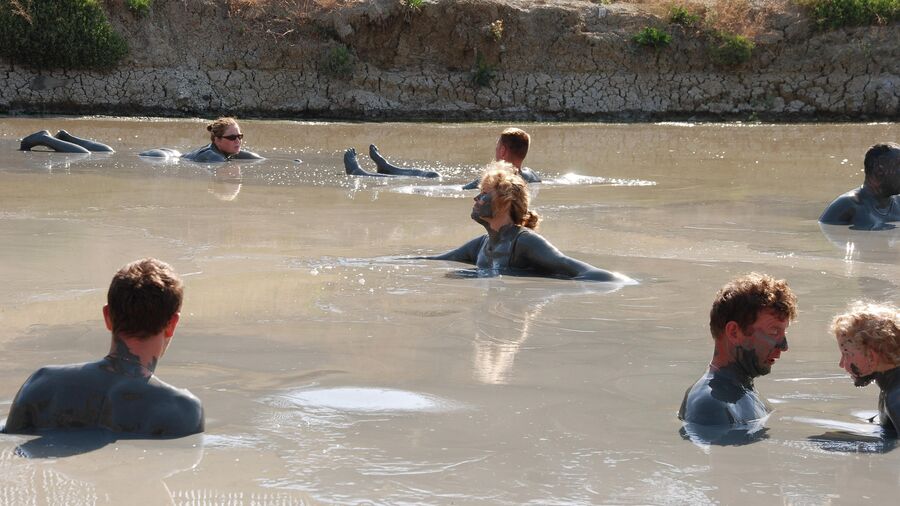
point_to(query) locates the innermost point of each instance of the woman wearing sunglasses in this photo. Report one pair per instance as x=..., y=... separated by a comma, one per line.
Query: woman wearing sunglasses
x=225, y=144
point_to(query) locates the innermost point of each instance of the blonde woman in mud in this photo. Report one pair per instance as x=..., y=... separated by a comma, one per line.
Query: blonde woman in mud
x=511, y=246
x=225, y=144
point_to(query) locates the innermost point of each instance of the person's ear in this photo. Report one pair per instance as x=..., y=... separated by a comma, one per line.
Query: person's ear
x=173, y=322
x=107, y=318
x=733, y=331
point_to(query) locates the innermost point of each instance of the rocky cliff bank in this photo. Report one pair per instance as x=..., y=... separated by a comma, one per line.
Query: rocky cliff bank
x=462, y=60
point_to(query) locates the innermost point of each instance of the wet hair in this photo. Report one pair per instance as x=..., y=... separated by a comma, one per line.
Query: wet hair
x=516, y=141
x=875, y=326
x=510, y=188
x=875, y=153
x=143, y=297
x=742, y=298
x=218, y=127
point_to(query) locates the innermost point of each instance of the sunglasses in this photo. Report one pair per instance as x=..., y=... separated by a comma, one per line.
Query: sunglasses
x=233, y=137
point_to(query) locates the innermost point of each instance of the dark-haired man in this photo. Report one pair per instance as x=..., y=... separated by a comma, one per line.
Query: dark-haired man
x=119, y=392
x=748, y=322
x=877, y=202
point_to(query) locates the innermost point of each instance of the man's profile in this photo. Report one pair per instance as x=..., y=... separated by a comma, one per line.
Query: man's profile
x=876, y=203
x=748, y=322
x=119, y=392
x=868, y=336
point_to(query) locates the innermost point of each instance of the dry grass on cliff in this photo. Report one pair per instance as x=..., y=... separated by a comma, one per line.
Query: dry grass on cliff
x=742, y=17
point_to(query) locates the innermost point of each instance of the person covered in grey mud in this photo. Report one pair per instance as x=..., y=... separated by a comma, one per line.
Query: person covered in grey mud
x=748, y=322
x=512, y=146
x=120, y=392
x=868, y=336
x=876, y=203
x=225, y=144
x=511, y=246
x=62, y=142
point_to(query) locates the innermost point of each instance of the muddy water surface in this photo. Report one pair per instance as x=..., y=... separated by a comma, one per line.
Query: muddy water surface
x=335, y=371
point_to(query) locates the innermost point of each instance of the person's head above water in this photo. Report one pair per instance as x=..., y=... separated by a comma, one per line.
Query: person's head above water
x=512, y=146
x=503, y=198
x=225, y=134
x=143, y=299
x=868, y=336
x=882, y=169
x=748, y=321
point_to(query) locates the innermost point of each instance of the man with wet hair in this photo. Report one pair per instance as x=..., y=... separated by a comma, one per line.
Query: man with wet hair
x=748, y=323
x=119, y=392
x=868, y=336
x=877, y=202
x=512, y=147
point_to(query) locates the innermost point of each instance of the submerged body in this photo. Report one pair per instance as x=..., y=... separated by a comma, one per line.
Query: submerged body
x=518, y=250
x=862, y=211
x=111, y=394
x=889, y=399
x=206, y=154
x=723, y=396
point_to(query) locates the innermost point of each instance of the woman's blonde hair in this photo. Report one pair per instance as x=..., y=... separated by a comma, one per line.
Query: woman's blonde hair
x=218, y=127
x=510, y=188
x=874, y=326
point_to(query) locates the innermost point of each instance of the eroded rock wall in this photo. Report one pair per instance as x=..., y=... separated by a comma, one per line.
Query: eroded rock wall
x=566, y=59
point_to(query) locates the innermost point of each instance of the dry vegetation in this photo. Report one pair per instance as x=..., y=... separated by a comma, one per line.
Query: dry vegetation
x=741, y=17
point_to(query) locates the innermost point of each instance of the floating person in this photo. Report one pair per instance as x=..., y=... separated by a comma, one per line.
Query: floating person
x=748, y=322
x=225, y=144
x=868, y=336
x=63, y=142
x=119, y=392
x=877, y=202
x=510, y=244
x=512, y=146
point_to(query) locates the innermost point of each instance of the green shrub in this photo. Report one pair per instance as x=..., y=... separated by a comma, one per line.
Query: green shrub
x=652, y=37
x=482, y=73
x=139, y=7
x=838, y=13
x=730, y=50
x=68, y=34
x=680, y=15
x=414, y=5
x=338, y=61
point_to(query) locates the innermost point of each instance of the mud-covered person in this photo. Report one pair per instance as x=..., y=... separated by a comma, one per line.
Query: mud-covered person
x=748, y=322
x=876, y=203
x=121, y=391
x=868, y=336
x=511, y=246
x=512, y=147
x=226, y=141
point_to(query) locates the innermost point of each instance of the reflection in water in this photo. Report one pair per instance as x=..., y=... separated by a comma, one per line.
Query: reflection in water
x=225, y=182
x=367, y=400
x=849, y=437
x=501, y=331
x=723, y=435
x=142, y=465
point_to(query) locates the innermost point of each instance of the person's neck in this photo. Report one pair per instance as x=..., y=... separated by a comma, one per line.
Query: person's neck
x=514, y=162
x=724, y=360
x=493, y=225
x=888, y=377
x=137, y=356
x=873, y=189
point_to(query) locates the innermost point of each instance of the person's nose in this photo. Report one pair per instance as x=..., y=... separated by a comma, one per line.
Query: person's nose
x=783, y=345
x=841, y=363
